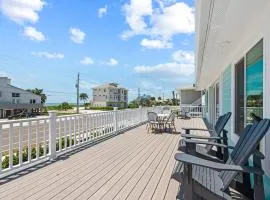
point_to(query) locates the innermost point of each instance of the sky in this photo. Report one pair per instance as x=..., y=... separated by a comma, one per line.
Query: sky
x=146, y=44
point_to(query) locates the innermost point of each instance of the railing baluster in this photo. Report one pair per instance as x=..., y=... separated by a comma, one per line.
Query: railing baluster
x=37, y=139
x=74, y=131
x=65, y=131
x=86, y=127
x=29, y=141
x=60, y=135
x=20, y=144
x=69, y=131
x=45, y=141
x=79, y=129
x=11, y=146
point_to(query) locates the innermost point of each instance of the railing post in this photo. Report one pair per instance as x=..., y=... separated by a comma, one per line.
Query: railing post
x=52, y=134
x=115, y=120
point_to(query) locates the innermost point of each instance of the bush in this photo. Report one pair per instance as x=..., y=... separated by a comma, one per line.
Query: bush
x=5, y=162
x=62, y=106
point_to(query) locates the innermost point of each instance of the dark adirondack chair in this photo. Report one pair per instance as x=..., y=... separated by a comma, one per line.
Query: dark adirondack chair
x=212, y=180
x=215, y=136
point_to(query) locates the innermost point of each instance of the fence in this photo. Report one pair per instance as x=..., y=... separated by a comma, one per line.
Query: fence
x=193, y=111
x=27, y=142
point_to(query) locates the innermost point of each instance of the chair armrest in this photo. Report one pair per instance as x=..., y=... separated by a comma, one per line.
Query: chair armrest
x=193, y=160
x=207, y=142
x=259, y=155
x=200, y=137
x=199, y=129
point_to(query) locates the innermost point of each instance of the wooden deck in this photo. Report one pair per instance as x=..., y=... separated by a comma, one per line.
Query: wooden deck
x=132, y=165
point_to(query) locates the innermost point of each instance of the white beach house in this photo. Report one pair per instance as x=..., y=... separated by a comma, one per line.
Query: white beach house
x=15, y=100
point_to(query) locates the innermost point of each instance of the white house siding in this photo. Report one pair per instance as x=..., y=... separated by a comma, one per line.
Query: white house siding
x=189, y=96
x=255, y=31
x=260, y=32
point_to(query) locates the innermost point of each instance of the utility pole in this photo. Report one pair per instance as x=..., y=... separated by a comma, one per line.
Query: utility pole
x=78, y=92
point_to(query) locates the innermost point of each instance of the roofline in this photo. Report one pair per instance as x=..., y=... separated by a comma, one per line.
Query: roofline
x=23, y=90
x=201, y=34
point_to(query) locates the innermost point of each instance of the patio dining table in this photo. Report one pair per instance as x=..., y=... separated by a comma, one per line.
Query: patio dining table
x=162, y=116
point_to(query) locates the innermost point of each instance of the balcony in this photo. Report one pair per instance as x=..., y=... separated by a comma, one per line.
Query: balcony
x=102, y=162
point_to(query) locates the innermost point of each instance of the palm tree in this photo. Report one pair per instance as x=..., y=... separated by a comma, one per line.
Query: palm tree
x=40, y=93
x=84, y=97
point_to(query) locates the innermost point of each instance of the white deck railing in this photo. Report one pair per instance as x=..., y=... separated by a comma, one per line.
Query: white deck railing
x=27, y=142
x=193, y=111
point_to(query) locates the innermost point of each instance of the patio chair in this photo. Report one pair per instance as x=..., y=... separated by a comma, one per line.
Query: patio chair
x=169, y=123
x=166, y=110
x=184, y=113
x=212, y=180
x=215, y=136
x=152, y=121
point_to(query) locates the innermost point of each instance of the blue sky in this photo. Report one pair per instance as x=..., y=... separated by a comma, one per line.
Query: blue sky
x=146, y=44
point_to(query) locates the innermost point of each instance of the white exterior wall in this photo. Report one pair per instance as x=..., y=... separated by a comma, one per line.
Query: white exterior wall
x=189, y=96
x=256, y=32
x=7, y=90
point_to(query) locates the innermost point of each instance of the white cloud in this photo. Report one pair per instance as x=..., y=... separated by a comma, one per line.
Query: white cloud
x=87, y=61
x=183, y=56
x=135, y=13
x=102, y=11
x=182, y=64
x=48, y=55
x=111, y=62
x=22, y=11
x=170, y=68
x=175, y=19
x=159, y=23
x=33, y=34
x=156, y=44
x=77, y=35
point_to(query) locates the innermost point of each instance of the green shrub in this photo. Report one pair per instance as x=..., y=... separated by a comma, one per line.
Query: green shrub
x=5, y=162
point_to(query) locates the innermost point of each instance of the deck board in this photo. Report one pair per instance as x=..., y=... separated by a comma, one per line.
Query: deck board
x=132, y=165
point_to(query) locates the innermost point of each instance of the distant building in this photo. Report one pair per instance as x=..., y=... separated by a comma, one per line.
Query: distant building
x=14, y=100
x=110, y=95
x=189, y=96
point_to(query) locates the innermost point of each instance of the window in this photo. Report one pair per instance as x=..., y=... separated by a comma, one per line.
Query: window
x=32, y=101
x=254, y=81
x=15, y=94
